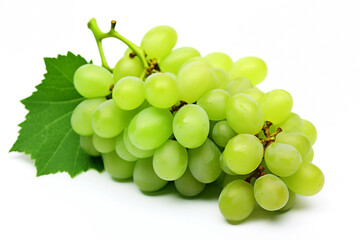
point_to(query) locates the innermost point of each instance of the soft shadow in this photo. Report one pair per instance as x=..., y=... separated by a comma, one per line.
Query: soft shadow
x=211, y=192
x=126, y=180
x=263, y=215
x=300, y=204
x=168, y=189
x=23, y=157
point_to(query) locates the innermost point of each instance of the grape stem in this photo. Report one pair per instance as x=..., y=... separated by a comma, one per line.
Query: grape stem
x=176, y=108
x=260, y=171
x=99, y=36
x=269, y=139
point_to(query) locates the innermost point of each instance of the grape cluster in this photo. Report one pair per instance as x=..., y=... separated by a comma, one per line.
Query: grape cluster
x=196, y=120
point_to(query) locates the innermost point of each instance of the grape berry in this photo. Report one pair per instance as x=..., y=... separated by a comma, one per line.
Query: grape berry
x=165, y=114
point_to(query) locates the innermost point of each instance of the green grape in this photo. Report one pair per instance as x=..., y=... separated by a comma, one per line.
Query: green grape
x=198, y=59
x=243, y=153
x=150, y=128
x=297, y=140
x=292, y=123
x=194, y=80
x=220, y=60
x=252, y=68
x=104, y=145
x=222, y=76
x=108, y=120
x=93, y=81
x=128, y=51
x=212, y=124
x=188, y=186
x=276, y=105
x=290, y=203
x=220, y=179
x=238, y=85
x=129, y=93
x=214, y=103
x=133, y=150
x=191, y=126
x=222, y=133
x=176, y=58
x=255, y=93
x=145, y=177
x=121, y=149
x=204, y=162
x=81, y=118
x=170, y=160
x=87, y=145
x=270, y=192
x=158, y=42
x=307, y=181
x=161, y=90
x=244, y=114
x=282, y=159
x=229, y=178
x=309, y=130
x=309, y=157
x=224, y=167
x=117, y=167
x=236, y=201
x=128, y=66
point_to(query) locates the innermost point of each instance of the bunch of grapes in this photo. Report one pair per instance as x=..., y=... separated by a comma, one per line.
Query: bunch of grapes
x=195, y=120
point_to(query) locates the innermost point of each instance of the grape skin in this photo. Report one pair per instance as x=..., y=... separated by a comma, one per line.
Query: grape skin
x=309, y=130
x=252, y=68
x=129, y=93
x=159, y=41
x=108, y=120
x=255, y=93
x=191, y=126
x=188, y=186
x=104, y=145
x=214, y=103
x=117, y=167
x=87, y=145
x=176, y=58
x=195, y=79
x=93, y=81
x=222, y=77
x=220, y=60
x=81, y=118
x=150, y=128
x=236, y=201
x=170, y=160
x=121, y=149
x=145, y=177
x=239, y=85
x=270, y=192
x=282, y=159
x=307, y=181
x=243, y=153
x=127, y=66
x=276, y=105
x=204, y=162
x=222, y=133
x=161, y=90
x=244, y=114
x=133, y=150
x=297, y=140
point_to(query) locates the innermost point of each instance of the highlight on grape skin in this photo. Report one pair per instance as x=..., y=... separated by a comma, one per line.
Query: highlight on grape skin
x=168, y=114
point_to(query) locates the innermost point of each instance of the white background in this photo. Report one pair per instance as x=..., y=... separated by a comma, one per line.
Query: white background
x=312, y=49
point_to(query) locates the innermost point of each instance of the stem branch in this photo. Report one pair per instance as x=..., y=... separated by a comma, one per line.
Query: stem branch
x=99, y=36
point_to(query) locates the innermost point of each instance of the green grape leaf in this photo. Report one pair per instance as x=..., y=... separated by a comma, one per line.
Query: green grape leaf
x=46, y=134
